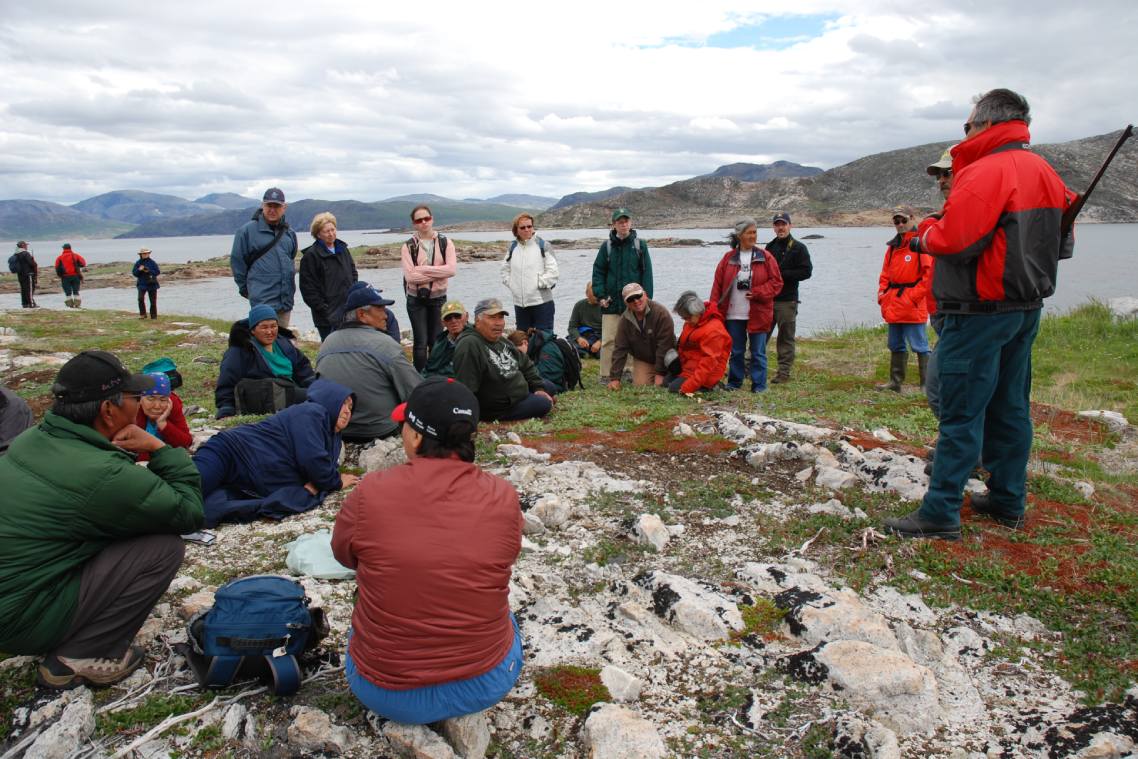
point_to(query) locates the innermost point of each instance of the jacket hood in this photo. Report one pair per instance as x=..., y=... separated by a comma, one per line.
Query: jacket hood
x=331, y=396
x=240, y=336
x=991, y=138
x=710, y=311
x=614, y=240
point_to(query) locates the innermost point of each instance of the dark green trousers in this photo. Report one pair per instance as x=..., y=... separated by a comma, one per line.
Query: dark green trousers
x=984, y=368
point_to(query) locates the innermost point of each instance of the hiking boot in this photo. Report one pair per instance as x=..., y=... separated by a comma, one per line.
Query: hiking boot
x=922, y=368
x=912, y=526
x=63, y=672
x=982, y=506
x=780, y=378
x=897, y=362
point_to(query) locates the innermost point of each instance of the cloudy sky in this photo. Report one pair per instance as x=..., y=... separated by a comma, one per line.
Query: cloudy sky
x=366, y=100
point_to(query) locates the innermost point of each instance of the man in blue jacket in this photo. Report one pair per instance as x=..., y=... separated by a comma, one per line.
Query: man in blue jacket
x=262, y=257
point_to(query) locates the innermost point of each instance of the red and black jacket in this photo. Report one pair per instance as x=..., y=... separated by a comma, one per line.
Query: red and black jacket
x=997, y=245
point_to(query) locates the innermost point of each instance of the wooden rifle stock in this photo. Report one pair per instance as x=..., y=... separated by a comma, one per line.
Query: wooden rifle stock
x=1074, y=209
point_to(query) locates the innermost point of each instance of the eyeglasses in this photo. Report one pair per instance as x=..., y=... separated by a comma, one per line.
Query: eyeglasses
x=451, y=317
x=525, y=226
x=422, y=219
x=899, y=220
x=634, y=298
x=944, y=173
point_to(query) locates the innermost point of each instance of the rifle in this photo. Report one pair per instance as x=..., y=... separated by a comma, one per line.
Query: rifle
x=1080, y=200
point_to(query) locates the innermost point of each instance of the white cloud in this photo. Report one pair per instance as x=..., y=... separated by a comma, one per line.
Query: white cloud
x=364, y=100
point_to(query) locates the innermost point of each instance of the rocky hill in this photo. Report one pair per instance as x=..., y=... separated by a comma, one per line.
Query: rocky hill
x=230, y=200
x=758, y=172
x=860, y=192
x=136, y=207
x=589, y=197
x=39, y=219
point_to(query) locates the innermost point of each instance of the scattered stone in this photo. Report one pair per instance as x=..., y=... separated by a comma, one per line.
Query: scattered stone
x=533, y=524
x=233, y=721
x=521, y=452
x=382, y=454
x=1112, y=419
x=732, y=428
x=803, y=475
x=762, y=454
x=836, y=508
x=64, y=737
x=417, y=741
x=693, y=608
x=887, y=685
x=884, y=435
x=312, y=730
x=514, y=437
x=195, y=602
x=855, y=736
x=650, y=529
x=683, y=429
x=468, y=735
x=781, y=428
x=840, y=615
x=621, y=685
x=183, y=583
x=551, y=510
x=1086, y=489
x=834, y=479
x=613, y=732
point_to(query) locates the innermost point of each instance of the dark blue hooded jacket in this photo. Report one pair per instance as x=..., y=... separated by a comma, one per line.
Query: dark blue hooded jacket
x=260, y=469
x=242, y=360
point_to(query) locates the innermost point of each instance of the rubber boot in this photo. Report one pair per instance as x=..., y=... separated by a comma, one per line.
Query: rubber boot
x=78, y=302
x=922, y=368
x=69, y=301
x=897, y=363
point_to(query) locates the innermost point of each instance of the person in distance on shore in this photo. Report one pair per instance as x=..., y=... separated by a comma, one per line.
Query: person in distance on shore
x=622, y=258
x=88, y=540
x=433, y=542
x=327, y=270
x=902, y=291
x=362, y=356
x=793, y=259
x=746, y=281
x=529, y=272
x=997, y=248
x=69, y=267
x=262, y=257
x=429, y=261
x=504, y=380
x=146, y=271
x=441, y=361
x=646, y=332
x=585, y=324
x=27, y=273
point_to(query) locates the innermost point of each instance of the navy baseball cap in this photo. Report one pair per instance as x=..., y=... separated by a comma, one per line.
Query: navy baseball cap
x=362, y=294
x=273, y=195
x=781, y=216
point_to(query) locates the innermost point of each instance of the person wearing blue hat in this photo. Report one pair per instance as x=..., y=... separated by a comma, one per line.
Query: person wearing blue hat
x=261, y=358
x=262, y=257
x=362, y=356
x=160, y=413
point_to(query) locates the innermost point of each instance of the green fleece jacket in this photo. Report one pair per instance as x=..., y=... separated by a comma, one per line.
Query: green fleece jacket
x=497, y=373
x=69, y=494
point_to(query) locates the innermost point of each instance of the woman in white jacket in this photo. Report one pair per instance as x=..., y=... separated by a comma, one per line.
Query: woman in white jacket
x=529, y=272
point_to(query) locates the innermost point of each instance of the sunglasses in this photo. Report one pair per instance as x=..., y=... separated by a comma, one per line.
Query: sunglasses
x=899, y=220
x=525, y=226
x=634, y=298
x=422, y=219
x=944, y=174
x=451, y=317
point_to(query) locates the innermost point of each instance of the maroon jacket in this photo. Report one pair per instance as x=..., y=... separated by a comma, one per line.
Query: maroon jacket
x=997, y=245
x=433, y=542
x=766, y=282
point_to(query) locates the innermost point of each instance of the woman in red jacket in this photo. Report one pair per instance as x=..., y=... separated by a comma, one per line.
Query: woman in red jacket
x=704, y=345
x=160, y=414
x=433, y=543
x=744, y=289
x=902, y=291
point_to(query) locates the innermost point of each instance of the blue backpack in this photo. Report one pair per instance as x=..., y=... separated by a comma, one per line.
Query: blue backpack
x=257, y=627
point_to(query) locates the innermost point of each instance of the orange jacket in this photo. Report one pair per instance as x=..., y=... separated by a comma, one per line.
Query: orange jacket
x=704, y=350
x=903, y=287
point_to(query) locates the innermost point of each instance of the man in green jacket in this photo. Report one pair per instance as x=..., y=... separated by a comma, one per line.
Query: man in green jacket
x=89, y=541
x=622, y=259
x=504, y=379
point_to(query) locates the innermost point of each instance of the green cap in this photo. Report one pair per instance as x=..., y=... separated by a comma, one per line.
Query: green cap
x=620, y=212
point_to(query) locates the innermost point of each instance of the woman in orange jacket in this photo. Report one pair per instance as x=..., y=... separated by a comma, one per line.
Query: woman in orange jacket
x=704, y=345
x=901, y=292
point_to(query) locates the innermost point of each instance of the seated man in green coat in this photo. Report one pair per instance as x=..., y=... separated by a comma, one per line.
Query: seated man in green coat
x=89, y=541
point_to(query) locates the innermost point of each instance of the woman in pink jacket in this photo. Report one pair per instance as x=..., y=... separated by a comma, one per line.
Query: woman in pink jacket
x=428, y=262
x=746, y=281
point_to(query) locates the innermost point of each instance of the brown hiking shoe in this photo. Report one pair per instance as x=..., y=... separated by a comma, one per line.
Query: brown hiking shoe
x=64, y=672
x=780, y=378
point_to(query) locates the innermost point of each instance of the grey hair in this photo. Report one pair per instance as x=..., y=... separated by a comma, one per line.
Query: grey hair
x=998, y=106
x=741, y=227
x=689, y=304
x=83, y=412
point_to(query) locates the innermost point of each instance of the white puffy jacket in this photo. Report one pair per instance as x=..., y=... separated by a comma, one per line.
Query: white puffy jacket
x=528, y=275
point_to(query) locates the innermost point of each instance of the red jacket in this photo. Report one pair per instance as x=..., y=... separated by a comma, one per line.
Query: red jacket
x=997, y=241
x=433, y=542
x=704, y=350
x=903, y=286
x=68, y=263
x=177, y=432
x=766, y=282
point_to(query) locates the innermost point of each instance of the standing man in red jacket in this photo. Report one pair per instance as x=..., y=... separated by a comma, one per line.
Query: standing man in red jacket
x=997, y=249
x=69, y=266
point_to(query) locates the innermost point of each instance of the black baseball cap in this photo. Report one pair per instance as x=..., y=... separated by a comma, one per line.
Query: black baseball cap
x=435, y=404
x=95, y=375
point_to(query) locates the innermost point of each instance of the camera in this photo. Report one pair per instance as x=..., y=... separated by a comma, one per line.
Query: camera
x=424, y=292
x=743, y=284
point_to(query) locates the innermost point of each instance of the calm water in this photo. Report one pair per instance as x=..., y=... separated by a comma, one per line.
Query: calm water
x=842, y=292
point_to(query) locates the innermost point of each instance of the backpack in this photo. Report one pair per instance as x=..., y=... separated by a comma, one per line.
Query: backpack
x=165, y=366
x=14, y=263
x=514, y=244
x=258, y=626
x=413, y=249
x=569, y=357
x=267, y=396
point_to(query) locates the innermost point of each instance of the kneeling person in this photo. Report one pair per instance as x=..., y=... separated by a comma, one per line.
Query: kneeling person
x=647, y=332
x=362, y=356
x=88, y=540
x=505, y=381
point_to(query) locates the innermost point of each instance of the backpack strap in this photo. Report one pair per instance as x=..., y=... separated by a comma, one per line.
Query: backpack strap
x=222, y=670
x=510, y=251
x=286, y=675
x=251, y=258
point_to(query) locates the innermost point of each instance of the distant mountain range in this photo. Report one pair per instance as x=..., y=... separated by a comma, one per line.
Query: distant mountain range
x=859, y=192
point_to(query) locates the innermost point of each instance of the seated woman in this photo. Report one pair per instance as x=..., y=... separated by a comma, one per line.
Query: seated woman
x=283, y=465
x=259, y=349
x=544, y=354
x=433, y=542
x=704, y=345
x=160, y=414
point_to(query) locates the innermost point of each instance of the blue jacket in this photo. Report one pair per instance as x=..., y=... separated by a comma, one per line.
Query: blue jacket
x=146, y=271
x=242, y=360
x=268, y=463
x=272, y=279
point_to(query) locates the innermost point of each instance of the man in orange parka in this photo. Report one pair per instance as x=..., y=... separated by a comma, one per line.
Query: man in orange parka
x=901, y=292
x=997, y=249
